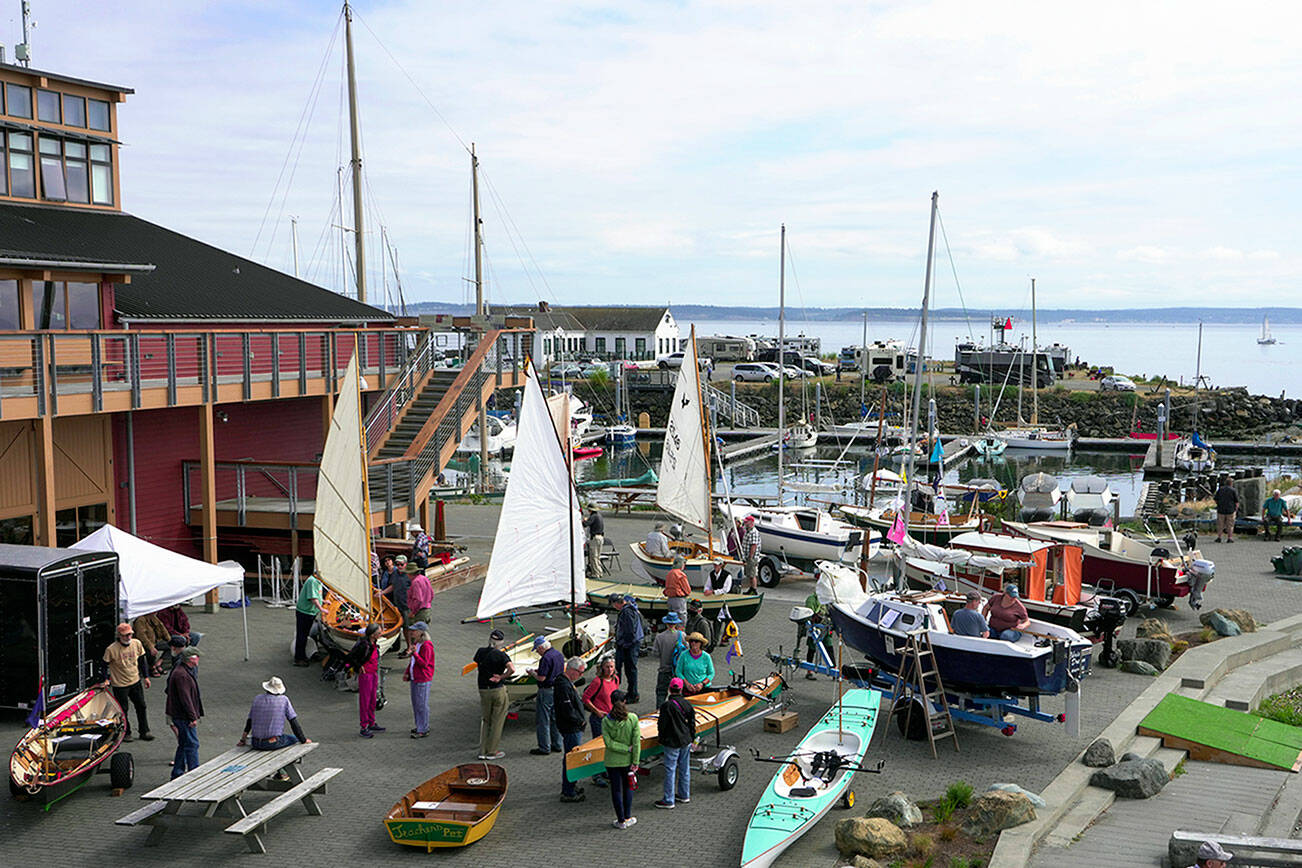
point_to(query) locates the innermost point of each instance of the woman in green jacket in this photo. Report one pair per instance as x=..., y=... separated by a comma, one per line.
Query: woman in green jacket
x=623, y=740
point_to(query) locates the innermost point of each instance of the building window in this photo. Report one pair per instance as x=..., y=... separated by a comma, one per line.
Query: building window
x=9, y=318
x=17, y=531
x=60, y=306
x=101, y=175
x=639, y=346
x=78, y=522
x=22, y=175
x=601, y=345
x=98, y=114
x=18, y=100
x=74, y=110
x=47, y=107
x=52, y=186
x=547, y=346
x=621, y=346
x=76, y=171
x=4, y=161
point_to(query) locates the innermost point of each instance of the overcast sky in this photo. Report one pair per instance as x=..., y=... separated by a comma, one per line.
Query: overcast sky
x=1125, y=154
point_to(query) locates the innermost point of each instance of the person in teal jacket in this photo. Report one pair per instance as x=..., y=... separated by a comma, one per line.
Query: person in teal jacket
x=623, y=740
x=695, y=666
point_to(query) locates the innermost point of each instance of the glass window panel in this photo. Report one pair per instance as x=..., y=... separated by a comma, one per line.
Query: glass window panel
x=101, y=184
x=47, y=106
x=52, y=184
x=78, y=178
x=47, y=304
x=17, y=531
x=20, y=141
x=74, y=110
x=22, y=180
x=75, y=150
x=99, y=153
x=65, y=529
x=83, y=305
x=91, y=518
x=18, y=100
x=9, y=320
x=49, y=146
x=98, y=114
x=4, y=161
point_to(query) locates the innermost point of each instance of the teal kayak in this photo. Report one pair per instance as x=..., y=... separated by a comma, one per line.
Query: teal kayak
x=811, y=778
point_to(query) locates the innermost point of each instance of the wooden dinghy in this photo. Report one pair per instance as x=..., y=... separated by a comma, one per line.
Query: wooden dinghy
x=714, y=709
x=594, y=640
x=811, y=778
x=453, y=809
x=59, y=754
x=653, y=604
x=344, y=622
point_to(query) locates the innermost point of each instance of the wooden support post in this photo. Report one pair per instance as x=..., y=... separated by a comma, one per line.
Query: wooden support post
x=327, y=410
x=208, y=493
x=44, y=433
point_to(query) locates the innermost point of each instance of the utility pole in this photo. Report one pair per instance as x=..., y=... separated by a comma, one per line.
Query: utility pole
x=359, y=233
x=479, y=308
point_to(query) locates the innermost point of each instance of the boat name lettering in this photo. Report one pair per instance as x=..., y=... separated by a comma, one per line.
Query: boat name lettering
x=424, y=830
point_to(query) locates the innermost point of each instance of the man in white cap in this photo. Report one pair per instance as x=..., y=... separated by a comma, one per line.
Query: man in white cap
x=1212, y=855
x=1274, y=512
x=267, y=717
x=750, y=554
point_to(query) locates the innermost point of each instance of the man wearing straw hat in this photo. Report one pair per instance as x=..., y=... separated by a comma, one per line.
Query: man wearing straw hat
x=267, y=717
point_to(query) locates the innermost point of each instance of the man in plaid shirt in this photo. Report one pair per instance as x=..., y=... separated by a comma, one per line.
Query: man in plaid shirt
x=750, y=552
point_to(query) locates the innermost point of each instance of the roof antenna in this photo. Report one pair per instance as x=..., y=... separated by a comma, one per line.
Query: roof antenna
x=23, y=50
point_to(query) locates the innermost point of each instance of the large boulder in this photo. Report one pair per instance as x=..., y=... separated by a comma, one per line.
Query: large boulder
x=865, y=862
x=898, y=808
x=1132, y=779
x=1100, y=754
x=1154, y=652
x=1222, y=625
x=1138, y=667
x=1154, y=628
x=1036, y=801
x=869, y=836
x=1242, y=619
x=995, y=811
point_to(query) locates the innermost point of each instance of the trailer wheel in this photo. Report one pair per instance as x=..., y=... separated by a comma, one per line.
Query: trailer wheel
x=15, y=790
x=768, y=573
x=915, y=722
x=847, y=799
x=1166, y=601
x=1129, y=601
x=729, y=774
x=122, y=771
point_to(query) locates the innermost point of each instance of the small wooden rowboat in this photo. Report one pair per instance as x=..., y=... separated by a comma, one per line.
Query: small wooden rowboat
x=344, y=623
x=453, y=809
x=59, y=754
x=811, y=778
x=653, y=604
x=594, y=640
x=714, y=709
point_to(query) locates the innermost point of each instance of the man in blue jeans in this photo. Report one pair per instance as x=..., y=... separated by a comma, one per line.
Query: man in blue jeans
x=677, y=730
x=551, y=666
x=570, y=720
x=267, y=717
x=184, y=709
x=628, y=639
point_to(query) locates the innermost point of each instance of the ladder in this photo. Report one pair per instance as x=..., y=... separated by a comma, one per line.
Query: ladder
x=917, y=668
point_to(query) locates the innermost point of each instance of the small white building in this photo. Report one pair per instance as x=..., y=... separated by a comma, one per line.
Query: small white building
x=635, y=333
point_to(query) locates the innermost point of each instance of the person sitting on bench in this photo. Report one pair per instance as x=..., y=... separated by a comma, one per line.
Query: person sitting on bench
x=267, y=719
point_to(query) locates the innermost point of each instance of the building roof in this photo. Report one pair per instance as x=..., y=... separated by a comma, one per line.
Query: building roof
x=58, y=76
x=189, y=280
x=589, y=318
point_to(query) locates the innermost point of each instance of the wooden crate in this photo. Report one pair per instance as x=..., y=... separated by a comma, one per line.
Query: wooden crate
x=781, y=721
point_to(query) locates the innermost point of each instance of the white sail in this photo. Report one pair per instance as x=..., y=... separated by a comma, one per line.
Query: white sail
x=538, y=550
x=340, y=531
x=684, y=489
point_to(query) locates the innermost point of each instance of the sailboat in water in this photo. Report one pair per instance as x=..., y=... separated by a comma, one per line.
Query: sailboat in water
x=341, y=529
x=1266, y=337
x=537, y=554
x=684, y=487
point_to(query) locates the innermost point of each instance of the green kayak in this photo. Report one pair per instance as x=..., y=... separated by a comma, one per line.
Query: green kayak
x=811, y=778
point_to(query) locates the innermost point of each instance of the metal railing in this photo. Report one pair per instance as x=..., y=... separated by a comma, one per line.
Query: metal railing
x=386, y=411
x=727, y=406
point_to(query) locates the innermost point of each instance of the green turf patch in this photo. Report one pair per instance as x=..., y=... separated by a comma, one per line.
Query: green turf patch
x=1225, y=729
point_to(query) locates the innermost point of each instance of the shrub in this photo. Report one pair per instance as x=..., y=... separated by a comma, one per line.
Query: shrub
x=943, y=811
x=947, y=833
x=960, y=793
x=923, y=845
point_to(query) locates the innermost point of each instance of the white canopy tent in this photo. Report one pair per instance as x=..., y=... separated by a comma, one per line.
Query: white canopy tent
x=154, y=578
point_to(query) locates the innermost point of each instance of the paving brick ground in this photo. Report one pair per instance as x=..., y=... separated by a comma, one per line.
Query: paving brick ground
x=534, y=827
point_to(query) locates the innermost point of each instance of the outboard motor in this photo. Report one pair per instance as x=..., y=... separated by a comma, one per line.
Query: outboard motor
x=1109, y=618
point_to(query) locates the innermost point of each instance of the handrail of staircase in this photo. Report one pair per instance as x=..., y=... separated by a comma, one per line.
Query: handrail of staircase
x=401, y=390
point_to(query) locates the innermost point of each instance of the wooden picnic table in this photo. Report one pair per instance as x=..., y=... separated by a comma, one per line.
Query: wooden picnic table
x=219, y=786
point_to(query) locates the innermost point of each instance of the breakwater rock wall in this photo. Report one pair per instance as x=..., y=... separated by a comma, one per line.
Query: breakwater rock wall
x=1223, y=413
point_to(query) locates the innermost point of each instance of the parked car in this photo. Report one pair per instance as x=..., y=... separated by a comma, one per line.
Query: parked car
x=675, y=360
x=1116, y=383
x=592, y=368
x=754, y=372
x=567, y=369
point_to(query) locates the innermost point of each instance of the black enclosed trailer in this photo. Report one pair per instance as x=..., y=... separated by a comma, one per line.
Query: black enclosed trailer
x=58, y=612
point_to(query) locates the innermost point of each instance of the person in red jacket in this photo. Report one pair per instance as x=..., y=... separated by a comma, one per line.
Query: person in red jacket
x=676, y=587
x=420, y=672
x=177, y=623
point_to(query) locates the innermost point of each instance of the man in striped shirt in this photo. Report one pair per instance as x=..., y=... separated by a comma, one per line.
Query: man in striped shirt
x=750, y=553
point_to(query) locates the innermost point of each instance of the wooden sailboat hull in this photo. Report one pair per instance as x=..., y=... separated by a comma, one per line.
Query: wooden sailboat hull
x=698, y=566
x=714, y=708
x=652, y=603
x=69, y=744
x=594, y=638
x=924, y=527
x=344, y=623
x=453, y=809
x=796, y=799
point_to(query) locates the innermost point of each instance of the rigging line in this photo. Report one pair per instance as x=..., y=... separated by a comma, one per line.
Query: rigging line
x=306, y=112
x=507, y=224
x=407, y=75
x=954, y=269
x=516, y=229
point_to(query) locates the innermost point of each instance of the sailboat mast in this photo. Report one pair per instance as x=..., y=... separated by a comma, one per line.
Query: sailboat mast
x=863, y=362
x=366, y=484
x=922, y=355
x=479, y=308
x=782, y=354
x=1198, y=376
x=1035, y=363
x=359, y=226
x=705, y=442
